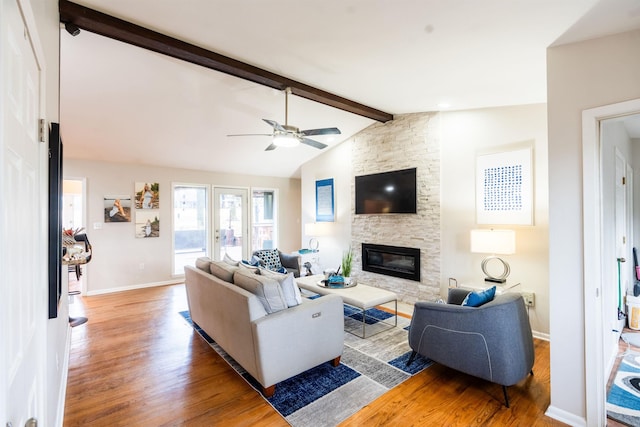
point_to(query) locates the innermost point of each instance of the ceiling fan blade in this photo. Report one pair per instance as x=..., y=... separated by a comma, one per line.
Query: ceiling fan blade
x=323, y=131
x=275, y=125
x=251, y=134
x=270, y=147
x=313, y=143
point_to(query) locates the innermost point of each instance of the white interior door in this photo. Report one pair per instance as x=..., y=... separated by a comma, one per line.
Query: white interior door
x=24, y=285
x=231, y=229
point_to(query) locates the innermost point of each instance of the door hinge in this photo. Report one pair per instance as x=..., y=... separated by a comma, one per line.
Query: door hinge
x=624, y=180
x=41, y=130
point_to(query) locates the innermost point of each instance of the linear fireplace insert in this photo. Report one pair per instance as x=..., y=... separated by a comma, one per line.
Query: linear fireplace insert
x=393, y=261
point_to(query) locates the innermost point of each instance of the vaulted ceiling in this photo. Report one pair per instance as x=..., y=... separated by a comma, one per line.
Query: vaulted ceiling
x=123, y=103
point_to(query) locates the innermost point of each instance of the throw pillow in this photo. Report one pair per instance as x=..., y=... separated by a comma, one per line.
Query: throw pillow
x=270, y=257
x=476, y=299
x=288, y=284
x=229, y=260
x=267, y=290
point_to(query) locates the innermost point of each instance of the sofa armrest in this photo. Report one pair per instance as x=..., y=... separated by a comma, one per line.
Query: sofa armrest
x=294, y=340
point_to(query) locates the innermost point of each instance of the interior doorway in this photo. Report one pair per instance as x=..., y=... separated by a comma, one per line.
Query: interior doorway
x=597, y=321
x=74, y=218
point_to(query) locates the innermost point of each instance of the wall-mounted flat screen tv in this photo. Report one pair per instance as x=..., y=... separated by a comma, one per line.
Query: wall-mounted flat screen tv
x=391, y=192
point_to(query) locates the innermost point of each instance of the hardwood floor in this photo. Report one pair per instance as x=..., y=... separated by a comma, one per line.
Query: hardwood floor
x=137, y=363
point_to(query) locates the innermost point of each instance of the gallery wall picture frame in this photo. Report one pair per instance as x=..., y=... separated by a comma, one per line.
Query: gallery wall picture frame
x=147, y=195
x=117, y=208
x=504, y=188
x=325, y=208
x=147, y=223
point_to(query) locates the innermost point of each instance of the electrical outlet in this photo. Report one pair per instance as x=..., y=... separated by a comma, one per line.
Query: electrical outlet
x=529, y=298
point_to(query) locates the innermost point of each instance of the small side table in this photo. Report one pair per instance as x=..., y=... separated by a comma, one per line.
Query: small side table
x=500, y=287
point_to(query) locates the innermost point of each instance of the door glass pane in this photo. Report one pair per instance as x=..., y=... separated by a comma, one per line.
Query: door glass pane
x=263, y=220
x=190, y=225
x=230, y=214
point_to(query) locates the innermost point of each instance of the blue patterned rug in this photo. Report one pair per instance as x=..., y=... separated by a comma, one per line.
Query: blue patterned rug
x=326, y=396
x=623, y=399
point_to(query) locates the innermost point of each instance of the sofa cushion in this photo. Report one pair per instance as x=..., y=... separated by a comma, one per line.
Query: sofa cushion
x=223, y=271
x=270, y=257
x=476, y=299
x=288, y=284
x=267, y=289
x=203, y=263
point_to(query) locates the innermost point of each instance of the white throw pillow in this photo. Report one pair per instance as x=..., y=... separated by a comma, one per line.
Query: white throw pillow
x=229, y=260
x=288, y=284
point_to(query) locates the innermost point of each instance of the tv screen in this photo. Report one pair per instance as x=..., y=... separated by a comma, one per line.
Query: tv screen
x=387, y=192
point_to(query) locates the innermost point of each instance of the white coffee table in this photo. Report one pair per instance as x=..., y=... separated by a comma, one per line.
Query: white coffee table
x=360, y=296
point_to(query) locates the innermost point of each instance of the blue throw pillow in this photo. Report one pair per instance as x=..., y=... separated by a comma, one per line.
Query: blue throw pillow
x=476, y=299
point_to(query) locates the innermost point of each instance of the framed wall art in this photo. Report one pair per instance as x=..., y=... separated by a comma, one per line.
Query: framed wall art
x=504, y=188
x=325, y=210
x=117, y=208
x=147, y=195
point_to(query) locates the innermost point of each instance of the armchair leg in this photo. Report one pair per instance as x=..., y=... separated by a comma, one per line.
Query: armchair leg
x=335, y=362
x=506, y=396
x=411, y=358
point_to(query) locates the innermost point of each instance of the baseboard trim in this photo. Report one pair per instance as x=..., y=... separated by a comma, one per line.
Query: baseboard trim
x=565, y=417
x=63, y=381
x=541, y=336
x=134, y=287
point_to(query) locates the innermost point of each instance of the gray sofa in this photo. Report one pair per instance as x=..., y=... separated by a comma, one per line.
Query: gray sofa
x=233, y=307
x=493, y=341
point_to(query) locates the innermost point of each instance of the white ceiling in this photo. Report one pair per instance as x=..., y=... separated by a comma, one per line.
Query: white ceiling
x=122, y=103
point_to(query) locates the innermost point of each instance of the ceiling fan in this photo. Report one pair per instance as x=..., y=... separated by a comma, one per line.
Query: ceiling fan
x=290, y=136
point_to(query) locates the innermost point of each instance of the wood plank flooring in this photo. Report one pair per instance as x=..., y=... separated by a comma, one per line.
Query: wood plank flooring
x=137, y=363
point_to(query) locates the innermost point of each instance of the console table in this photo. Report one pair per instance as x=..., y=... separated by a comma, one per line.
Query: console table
x=360, y=296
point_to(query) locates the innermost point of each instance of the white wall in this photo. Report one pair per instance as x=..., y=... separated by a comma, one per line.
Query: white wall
x=462, y=135
x=117, y=253
x=579, y=76
x=58, y=331
x=334, y=163
x=465, y=134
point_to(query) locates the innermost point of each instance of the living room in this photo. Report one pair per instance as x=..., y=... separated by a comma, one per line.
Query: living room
x=581, y=75
x=457, y=240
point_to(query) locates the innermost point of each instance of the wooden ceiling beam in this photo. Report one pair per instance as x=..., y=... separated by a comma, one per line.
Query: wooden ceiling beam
x=109, y=26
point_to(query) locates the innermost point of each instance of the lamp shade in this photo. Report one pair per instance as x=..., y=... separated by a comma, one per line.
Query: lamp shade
x=493, y=241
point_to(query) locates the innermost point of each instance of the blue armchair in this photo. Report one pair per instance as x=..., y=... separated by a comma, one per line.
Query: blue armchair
x=493, y=341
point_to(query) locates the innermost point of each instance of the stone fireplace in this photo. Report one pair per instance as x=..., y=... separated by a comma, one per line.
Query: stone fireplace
x=409, y=140
x=396, y=261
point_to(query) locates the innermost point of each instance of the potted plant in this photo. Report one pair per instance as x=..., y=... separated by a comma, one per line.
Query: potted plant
x=347, y=260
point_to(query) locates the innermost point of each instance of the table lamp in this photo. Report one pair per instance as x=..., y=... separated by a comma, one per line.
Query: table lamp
x=311, y=230
x=494, y=242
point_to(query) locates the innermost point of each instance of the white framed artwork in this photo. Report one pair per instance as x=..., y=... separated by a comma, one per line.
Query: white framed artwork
x=504, y=188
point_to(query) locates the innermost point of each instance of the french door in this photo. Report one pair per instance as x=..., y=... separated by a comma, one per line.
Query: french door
x=231, y=230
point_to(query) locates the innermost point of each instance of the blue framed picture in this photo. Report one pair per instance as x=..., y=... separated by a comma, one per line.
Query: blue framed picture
x=325, y=211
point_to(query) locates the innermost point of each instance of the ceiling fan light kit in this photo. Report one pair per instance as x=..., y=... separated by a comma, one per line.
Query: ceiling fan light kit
x=284, y=139
x=291, y=136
